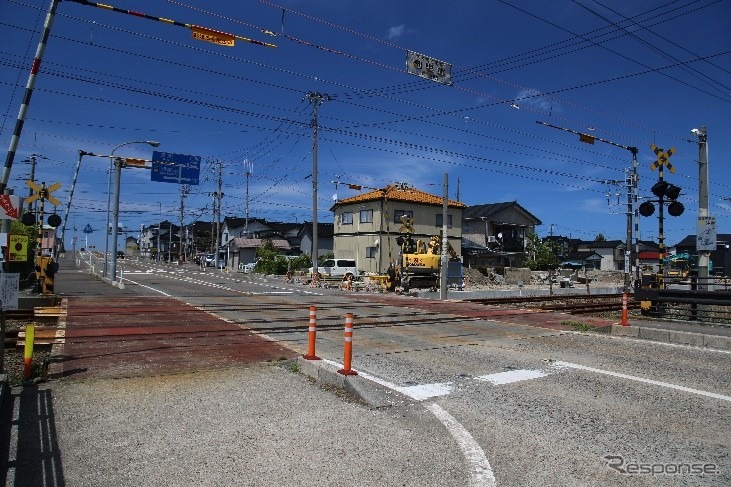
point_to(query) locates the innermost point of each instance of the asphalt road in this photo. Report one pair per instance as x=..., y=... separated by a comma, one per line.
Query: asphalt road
x=465, y=400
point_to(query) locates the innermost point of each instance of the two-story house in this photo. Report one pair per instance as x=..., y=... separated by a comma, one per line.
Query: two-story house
x=158, y=240
x=324, y=238
x=496, y=234
x=235, y=227
x=611, y=251
x=366, y=226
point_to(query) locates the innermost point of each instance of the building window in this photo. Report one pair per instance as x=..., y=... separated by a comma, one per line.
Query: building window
x=346, y=218
x=397, y=214
x=366, y=216
x=371, y=252
x=440, y=220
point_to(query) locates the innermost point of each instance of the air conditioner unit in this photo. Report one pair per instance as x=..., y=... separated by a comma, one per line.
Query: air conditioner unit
x=491, y=239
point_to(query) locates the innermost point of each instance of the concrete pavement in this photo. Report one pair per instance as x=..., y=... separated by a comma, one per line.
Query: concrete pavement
x=243, y=423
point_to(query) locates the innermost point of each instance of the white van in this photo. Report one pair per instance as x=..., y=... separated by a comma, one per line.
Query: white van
x=337, y=268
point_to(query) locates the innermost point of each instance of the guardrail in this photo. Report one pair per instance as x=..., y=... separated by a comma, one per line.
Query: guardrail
x=683, y=300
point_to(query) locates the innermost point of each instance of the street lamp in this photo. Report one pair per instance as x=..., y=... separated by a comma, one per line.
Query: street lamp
x=117, y=162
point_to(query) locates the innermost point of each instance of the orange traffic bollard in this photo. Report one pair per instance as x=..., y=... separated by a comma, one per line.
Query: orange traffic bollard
x=624, y=310
x=312, y=332
x=348, y=353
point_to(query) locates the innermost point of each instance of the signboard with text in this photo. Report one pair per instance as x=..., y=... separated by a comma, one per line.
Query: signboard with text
x=10, y=206
x=17, y=248
x=9, y=290
x=168, y=167
x=705, y=239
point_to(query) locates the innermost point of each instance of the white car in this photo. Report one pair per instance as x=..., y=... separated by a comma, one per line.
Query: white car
x=337, y=268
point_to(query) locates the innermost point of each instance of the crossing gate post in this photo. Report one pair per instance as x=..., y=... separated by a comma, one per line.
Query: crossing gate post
x=312, y=335
x=28, y=351
x=348, y=347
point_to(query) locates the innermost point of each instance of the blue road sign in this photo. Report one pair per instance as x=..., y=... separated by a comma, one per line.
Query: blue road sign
x=168, y=167
x=88, y=229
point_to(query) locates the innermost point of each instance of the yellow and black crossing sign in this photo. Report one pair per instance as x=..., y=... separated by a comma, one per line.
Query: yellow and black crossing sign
x=45, y=267
x=663, y=158
x=43, y=192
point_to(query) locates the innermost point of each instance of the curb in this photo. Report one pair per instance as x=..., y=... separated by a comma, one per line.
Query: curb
x=375, y=395
x=676, y=337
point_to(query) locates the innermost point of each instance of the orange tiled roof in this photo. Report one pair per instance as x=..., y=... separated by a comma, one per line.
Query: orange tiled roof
x=397, y=193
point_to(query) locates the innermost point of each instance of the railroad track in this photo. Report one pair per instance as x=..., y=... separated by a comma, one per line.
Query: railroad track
x=572, y=303
x=589, y=308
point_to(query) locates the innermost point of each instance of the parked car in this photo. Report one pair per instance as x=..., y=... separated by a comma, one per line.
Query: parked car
x=120, y=254
x=337, y=268
x=210, y=260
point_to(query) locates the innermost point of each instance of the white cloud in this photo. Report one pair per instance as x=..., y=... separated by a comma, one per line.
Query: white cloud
x=533, y=98
x=396, y=31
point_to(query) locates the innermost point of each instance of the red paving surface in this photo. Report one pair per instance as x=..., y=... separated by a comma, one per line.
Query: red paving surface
x=132, y=336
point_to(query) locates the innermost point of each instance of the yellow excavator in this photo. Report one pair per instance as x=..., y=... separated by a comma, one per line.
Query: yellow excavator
x=419, y=261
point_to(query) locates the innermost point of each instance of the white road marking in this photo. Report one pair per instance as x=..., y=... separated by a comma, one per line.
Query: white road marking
x=149, y=287
x=480, y=471
x=187, y=278
x=643, y=380
x=511, y=376
x=417, y=392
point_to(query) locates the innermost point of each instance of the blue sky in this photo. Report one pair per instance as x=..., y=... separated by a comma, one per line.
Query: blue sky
x=634, y=73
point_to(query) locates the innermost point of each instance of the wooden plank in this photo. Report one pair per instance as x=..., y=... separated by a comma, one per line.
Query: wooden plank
x=47, y=311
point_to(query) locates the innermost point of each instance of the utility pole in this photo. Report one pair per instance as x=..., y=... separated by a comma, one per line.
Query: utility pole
x=249, y=170
x=159, y=231
x=589, y=139
x=705, y=221
x=316, y=99
x=219, y=195
x=183, y=193
x=443, y=281
x=213, y=225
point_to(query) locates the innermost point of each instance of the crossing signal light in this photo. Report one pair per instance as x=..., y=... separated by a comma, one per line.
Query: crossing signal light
x=659, y=188
x=672, y=192
x=647, y=209
x=663, y=189
x=676, y=208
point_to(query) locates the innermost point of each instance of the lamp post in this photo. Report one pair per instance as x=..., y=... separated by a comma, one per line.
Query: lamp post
x=117, y=162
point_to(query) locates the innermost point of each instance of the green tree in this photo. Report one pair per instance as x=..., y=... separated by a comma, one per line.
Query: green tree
x=600, y=238
x=266, y=258
x=540, y=255
x=270, y=261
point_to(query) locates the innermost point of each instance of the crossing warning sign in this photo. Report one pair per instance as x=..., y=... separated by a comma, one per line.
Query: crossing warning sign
x=17, y=248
